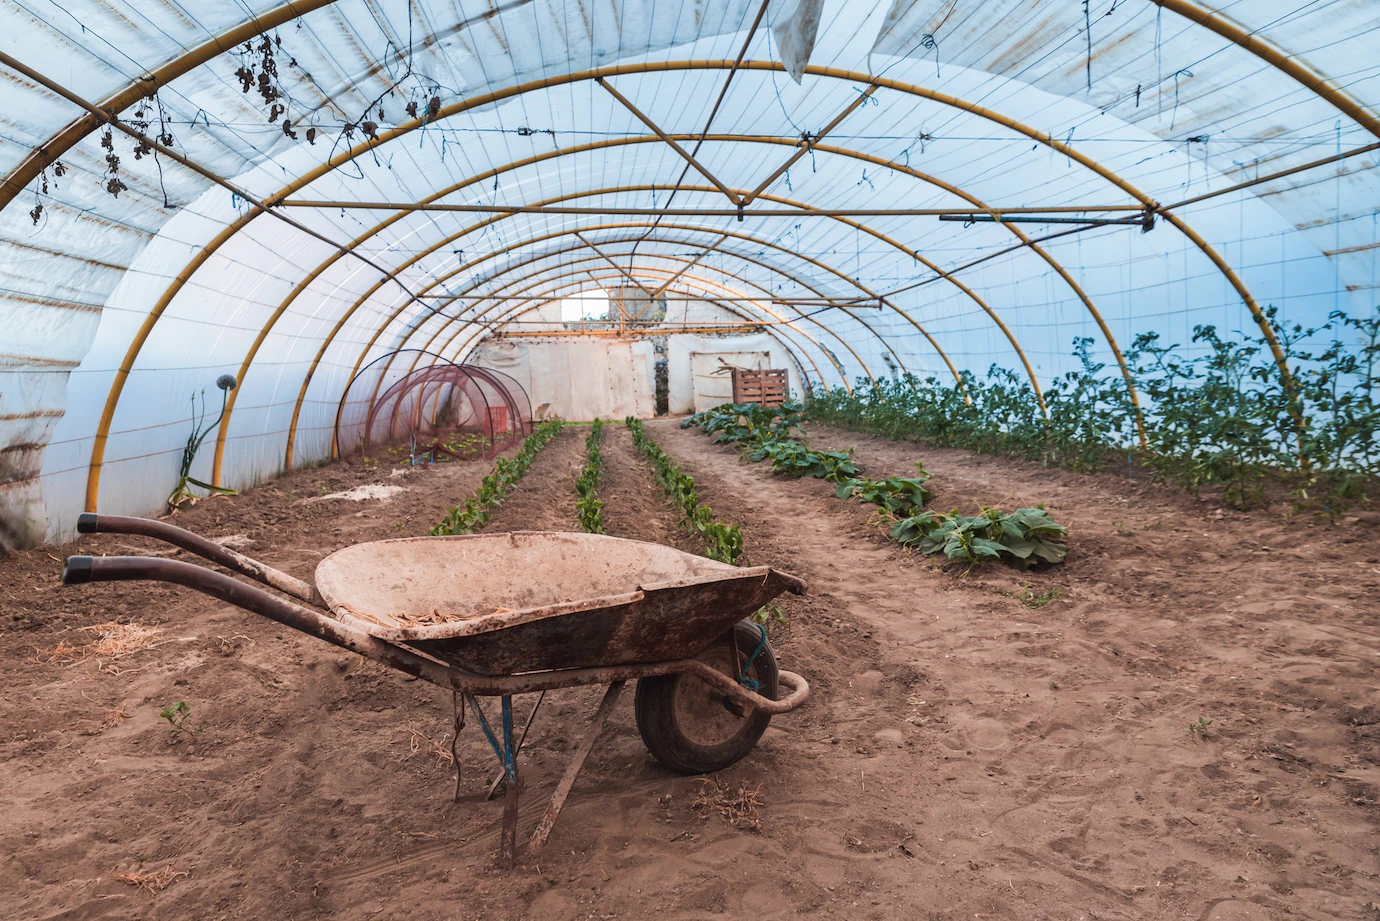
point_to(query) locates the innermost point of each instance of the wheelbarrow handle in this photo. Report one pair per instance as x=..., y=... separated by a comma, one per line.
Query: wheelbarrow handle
x=82, y=569
x=79, y=570
x=799, y=688
x=88, y=523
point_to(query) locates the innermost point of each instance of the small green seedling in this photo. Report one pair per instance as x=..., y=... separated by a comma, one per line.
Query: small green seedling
x=1198, y=728
x=1033, y=599
x=177, y=715
x=770, y=615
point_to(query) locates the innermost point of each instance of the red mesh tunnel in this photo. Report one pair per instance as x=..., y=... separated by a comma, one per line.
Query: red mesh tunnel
x=394, y=407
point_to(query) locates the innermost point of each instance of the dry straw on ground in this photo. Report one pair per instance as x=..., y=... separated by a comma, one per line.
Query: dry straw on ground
x=418, y=742
x=739, y=807
x=107, y=642
x=153, y=881
x=111, y=718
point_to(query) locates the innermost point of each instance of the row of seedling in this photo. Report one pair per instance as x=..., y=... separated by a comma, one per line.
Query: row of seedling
x=494, y=488
x=587, y=485
x=723, y=542
x=1023, y=538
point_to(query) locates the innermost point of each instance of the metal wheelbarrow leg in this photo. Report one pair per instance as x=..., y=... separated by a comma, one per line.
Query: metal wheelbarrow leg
x=572, y=770
x=507, y=754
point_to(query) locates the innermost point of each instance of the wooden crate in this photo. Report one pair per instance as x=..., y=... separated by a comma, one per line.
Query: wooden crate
x=766, y=387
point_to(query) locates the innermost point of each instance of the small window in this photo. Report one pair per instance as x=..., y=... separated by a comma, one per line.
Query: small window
x=587, y=305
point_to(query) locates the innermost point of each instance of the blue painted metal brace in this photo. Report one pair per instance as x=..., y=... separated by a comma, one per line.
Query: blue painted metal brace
x=503, y=751
x=743, y=679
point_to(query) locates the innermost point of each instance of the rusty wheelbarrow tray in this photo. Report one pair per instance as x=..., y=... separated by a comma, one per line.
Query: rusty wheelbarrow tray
x=506, y=614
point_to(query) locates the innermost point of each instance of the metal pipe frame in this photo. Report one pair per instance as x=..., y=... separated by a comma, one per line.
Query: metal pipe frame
x=692, y=263
x=571, y=287
x=301, y=287
x=704, y=284
x=1279, y=174
x=477, y=335
x=149, y=83
x=807, y=143
x=627, y=275
x=957, y=191
x=436, y=310
x=947, y=276
x=733, y=196
x=699, y=282
x=43, y=156
x=939, y=183
x=831, y=149
x=338, y=160
x=466, y=346
x=1008, y=214
x=1276, y=57
x=301, y=397
x=691, y=228
x=548, y=254
x=913, y=254
x=641, y=332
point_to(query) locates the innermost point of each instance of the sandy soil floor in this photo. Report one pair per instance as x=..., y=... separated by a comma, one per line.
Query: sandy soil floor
x=964, y=754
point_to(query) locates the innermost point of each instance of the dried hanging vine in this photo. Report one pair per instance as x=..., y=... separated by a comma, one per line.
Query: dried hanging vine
x=259, y=61
x=59, y=170
x=259, y=73
x=113, y=183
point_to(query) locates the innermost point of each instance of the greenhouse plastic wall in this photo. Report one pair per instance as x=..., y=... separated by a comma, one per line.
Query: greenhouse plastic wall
x=965, y=106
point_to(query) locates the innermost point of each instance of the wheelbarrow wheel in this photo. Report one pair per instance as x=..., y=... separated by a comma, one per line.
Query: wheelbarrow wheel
x=693, y=728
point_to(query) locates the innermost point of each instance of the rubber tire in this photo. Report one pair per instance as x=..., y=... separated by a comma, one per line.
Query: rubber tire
x=659, y=726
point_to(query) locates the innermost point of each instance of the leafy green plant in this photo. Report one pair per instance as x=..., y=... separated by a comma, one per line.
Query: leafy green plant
x=467, y=445
x=494, y=488
x=723, y=542
x=770, y=615
x=1216, y=413
x=793, y=458
x=747, y=422
x=898, y=496
x=773, y=433
x=177, y=715
x=1199, y=727
x=1023, y=538
x=587, y=485
x=1034, y=600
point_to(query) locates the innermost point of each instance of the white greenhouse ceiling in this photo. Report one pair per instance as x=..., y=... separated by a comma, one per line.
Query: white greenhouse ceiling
x=286, y=191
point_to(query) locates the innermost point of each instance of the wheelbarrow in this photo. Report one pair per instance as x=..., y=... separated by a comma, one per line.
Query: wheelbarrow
x=523, y=612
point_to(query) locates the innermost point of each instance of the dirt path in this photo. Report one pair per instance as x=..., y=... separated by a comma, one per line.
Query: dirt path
x=544, y=499
x=634, y=505
x=1061, y=733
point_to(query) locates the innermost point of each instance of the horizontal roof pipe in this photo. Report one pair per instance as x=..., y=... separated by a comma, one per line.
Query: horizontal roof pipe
x=681, y=212
x=1145, y=222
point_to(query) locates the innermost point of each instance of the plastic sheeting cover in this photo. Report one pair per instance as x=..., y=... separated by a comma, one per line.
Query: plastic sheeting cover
x=1002, y=103
x=578, y=380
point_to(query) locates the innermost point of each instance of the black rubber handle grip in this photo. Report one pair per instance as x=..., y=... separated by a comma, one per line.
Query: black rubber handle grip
x=89, y=523
x=78, y=569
